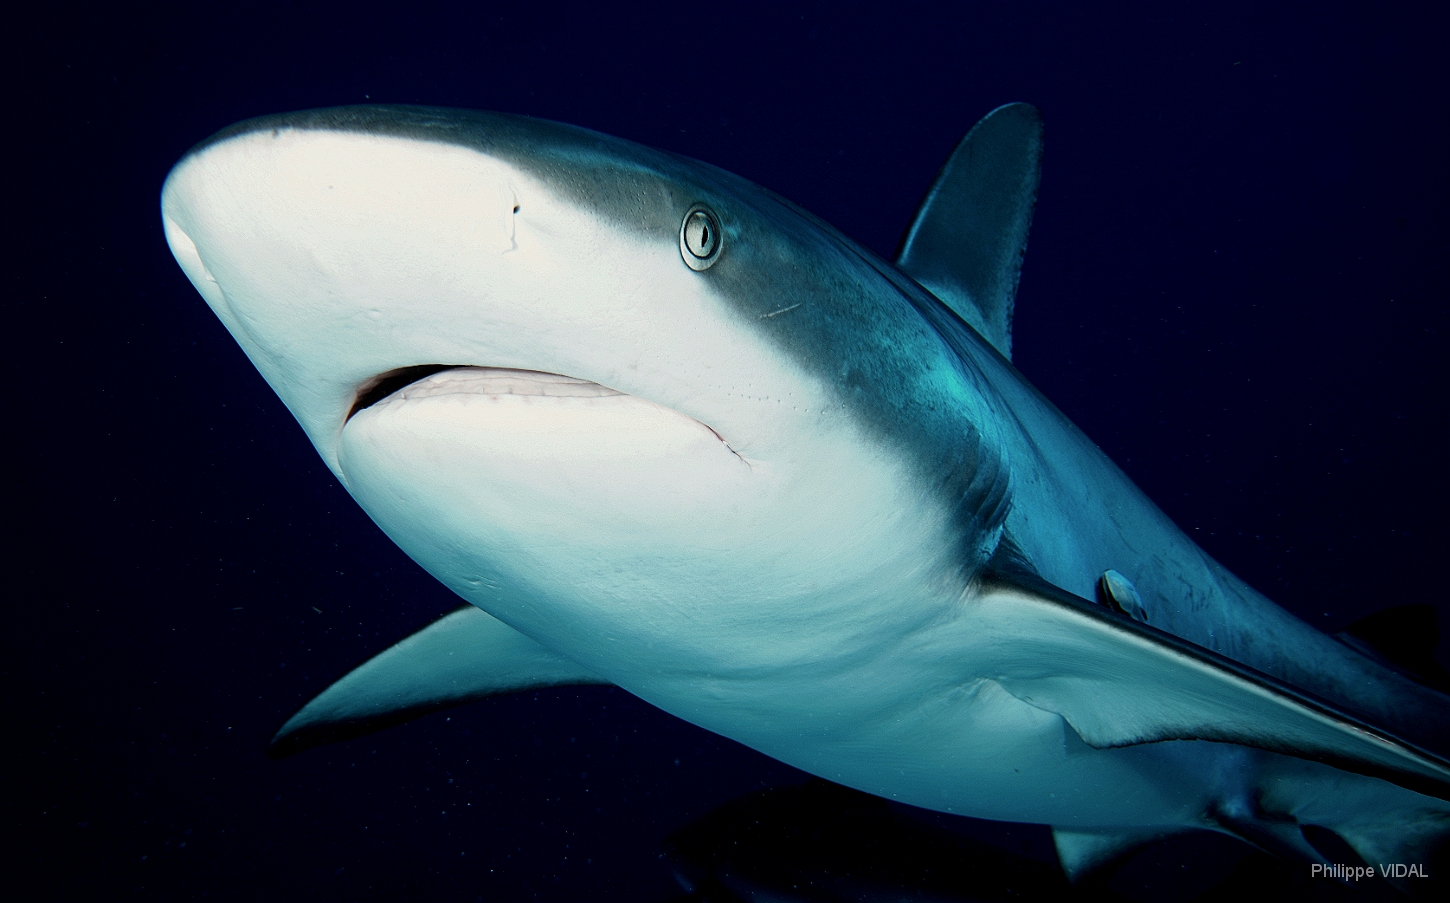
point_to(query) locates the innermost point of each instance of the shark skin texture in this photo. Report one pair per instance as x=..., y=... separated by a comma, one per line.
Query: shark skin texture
x=661, y=428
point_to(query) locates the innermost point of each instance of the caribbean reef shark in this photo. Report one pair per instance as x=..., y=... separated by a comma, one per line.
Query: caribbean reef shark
x=663, y=429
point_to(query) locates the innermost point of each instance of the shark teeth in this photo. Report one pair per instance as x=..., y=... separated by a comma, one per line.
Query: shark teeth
x=438, y=381
x=497, y=381
x=434, y=380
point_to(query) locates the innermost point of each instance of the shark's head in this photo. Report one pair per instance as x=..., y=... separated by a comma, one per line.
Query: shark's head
x=603, y=392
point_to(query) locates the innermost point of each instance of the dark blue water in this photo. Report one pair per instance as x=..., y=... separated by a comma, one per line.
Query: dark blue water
x=1236, y=284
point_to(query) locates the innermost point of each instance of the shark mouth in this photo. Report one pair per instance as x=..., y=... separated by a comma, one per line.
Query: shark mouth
x=431, y=380
x=434, y=380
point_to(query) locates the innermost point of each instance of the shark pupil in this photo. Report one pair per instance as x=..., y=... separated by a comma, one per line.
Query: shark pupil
x=700, y=238
x=699, y=235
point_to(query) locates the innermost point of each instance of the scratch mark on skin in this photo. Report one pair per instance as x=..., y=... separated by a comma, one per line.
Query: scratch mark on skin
x=776, y=313
x=727, y=445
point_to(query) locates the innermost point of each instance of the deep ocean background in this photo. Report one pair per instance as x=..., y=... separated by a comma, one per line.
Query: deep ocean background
x=1236, y=284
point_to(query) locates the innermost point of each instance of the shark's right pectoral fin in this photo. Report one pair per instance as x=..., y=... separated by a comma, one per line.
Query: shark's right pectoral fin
x=462, y=657
x=1118, y=682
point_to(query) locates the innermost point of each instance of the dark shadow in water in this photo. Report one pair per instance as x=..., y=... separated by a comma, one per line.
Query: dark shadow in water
x=822, y=843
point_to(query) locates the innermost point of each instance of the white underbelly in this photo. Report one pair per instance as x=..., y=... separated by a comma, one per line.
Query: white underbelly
x=972, y=750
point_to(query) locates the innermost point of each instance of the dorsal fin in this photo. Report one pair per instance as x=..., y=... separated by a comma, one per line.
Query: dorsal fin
x=967, y=241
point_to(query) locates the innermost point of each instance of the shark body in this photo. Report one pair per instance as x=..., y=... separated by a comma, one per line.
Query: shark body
x=662, y=429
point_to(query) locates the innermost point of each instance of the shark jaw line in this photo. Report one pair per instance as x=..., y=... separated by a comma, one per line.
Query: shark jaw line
x=421, y=381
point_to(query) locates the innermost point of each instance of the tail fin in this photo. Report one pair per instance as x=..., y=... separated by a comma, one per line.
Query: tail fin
x=1410, y=850
x=1402, y=835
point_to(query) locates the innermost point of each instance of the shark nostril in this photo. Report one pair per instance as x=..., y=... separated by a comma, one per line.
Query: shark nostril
x=380, y=387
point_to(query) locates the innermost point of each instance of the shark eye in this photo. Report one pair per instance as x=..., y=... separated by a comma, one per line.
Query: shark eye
x=700, y=238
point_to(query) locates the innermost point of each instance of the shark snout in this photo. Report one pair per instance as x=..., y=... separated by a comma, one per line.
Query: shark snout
x=341, y=261
x=351, y=263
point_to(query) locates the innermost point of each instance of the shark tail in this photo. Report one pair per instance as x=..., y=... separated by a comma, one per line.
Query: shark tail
x=1343, y=827
x=1340, y=821
x=1409, y=850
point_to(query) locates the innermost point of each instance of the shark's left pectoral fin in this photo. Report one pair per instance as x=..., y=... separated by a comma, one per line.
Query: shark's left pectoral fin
x=1118, y=682
x=463, y=656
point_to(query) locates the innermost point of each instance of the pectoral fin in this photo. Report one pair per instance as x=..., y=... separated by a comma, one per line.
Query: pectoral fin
x=464, y=656
x=1118, y=682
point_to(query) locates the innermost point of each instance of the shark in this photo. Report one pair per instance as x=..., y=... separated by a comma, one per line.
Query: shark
x=660, y=428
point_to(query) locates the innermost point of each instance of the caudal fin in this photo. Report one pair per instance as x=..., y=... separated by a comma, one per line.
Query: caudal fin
x=1410, y=850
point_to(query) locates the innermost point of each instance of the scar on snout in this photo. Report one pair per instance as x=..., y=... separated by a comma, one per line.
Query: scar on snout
x=776, y=313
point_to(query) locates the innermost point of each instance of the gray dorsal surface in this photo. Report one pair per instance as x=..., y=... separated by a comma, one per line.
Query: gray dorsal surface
x=967, y=241
x=462, y=657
